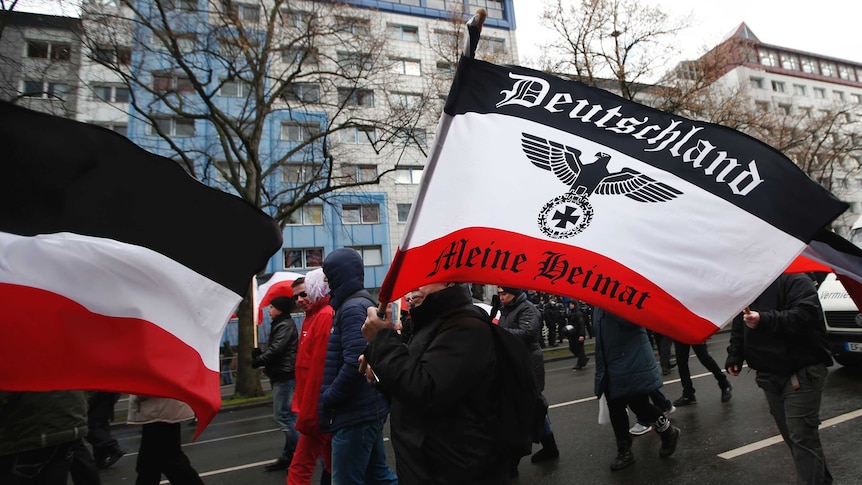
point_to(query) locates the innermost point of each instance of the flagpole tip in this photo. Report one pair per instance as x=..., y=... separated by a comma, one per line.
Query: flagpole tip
x=479, y=18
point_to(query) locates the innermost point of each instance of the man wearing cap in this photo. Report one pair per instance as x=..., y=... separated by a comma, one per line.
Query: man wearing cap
x=279, y=360
x=520, y=317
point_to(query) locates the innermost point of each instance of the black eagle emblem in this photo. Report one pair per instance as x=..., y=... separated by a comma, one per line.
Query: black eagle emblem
x=585, y=179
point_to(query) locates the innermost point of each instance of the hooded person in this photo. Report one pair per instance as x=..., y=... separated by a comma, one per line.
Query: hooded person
x=310, y=361
x=350, y=408
x=279, y=360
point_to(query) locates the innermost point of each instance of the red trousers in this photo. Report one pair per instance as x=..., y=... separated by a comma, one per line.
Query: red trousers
x=308, y=449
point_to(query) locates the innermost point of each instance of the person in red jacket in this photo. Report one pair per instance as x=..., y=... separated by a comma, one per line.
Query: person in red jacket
x=312, y=297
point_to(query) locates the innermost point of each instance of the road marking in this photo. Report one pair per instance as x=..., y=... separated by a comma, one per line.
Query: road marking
x=727, y=455
x=227, y=470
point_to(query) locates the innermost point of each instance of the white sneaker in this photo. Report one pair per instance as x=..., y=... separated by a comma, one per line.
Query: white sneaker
x=670, y=411
x=639, y=429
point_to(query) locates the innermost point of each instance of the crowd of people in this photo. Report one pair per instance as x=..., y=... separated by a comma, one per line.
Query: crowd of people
x=434, y=374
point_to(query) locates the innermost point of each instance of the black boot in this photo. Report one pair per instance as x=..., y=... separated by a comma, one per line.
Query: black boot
x=669, y=438
x=549, y=450
x=624, y=455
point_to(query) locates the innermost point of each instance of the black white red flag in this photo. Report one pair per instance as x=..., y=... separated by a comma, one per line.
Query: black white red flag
x=541, y=183
x=118, y=271
x=271, y=286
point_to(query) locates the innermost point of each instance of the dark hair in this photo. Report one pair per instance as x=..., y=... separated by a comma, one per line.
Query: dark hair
x=298, y=281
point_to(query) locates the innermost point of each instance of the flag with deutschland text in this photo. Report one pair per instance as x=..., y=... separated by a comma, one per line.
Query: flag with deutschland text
x=118, y=271
x=541, y=183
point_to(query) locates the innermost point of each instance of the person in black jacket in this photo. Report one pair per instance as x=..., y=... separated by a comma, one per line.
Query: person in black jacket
x=576, y=331
x=782, y=335
x=279, y=360
x=520, y=317
x=442, y=387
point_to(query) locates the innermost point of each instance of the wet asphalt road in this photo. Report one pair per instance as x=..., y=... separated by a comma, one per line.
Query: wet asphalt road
x=721, y=444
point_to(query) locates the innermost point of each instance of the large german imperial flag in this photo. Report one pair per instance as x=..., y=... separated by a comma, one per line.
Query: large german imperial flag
x=542, y=183
x=118, y=271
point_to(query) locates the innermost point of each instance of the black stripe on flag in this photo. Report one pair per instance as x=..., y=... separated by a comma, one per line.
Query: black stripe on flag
x=60, y=175
x=786, y=198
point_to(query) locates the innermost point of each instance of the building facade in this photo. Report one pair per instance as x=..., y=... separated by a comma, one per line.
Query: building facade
x=142, y=68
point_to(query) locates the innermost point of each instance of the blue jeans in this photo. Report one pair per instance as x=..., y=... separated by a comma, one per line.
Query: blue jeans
x=358, y=456
x=282, y=398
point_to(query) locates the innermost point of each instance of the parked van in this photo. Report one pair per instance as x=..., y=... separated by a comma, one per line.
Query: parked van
x=843, y=322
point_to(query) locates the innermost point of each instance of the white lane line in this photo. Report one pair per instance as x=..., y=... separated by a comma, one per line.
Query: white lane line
x=727, y=455
x=227, y=470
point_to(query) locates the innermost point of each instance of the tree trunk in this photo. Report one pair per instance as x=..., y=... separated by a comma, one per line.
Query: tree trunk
x=247, y=382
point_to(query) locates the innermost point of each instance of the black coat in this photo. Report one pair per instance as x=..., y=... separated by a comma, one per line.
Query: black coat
x=279, y=358
x=791, y=333
x=443, y=401
x=523, y=319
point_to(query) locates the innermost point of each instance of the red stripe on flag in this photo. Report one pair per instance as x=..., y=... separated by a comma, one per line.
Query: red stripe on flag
x=473, y=255
x=79, y=349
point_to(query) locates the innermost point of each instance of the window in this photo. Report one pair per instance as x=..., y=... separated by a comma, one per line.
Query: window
x=174, y=127
x=299, y=173
x=809, y=65
x=296, y=132
x=184, y=5
x=412, y=136
x=360, y=173
x=819, y=93
x=303, y=258
x=762, y=106
x=778, y=86
x=403, y=211
x=360, y=214
x=838, y=95
x=405, y=100
x=45, y=90
x=371, y=255
x=111, y=94
x=48, y=50
x=445, y=69
x=299, y=56
x=186, y=43
x=409, y=175
x=845, y=72
x=447, y=38
x=755, y=82
x=495, y=46
x=409, y=33
x=799, y=90
x=785, y=108
x=352, y=25
x=768, y=57
x=121, y=128
x=356, y=97
x=235, y=89
x=109, y=55
x=295, y=18
x=789, y=61
x=494, y=7
x=806, y=111
x=358, y=134
x=244, y=12
x=170, y=83
x=354, y=61
x=410, y=67
x=223, y=172
x=857, y=98
x=828, y=69
x=307, y=215
x=303, y=92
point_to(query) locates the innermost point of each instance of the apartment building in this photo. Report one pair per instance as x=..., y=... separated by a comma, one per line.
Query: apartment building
x=800, y=86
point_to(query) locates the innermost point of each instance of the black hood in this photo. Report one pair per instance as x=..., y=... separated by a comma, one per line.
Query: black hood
x=346, y=274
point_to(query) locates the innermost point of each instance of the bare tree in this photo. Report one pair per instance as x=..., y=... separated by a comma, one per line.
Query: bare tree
x=625, y=41
x=276, y=101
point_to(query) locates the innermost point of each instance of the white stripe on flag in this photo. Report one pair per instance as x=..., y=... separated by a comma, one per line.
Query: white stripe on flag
x=122, y=280
x=665, y=242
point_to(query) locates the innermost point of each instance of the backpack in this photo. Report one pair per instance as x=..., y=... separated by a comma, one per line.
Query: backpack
x=522, y=407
